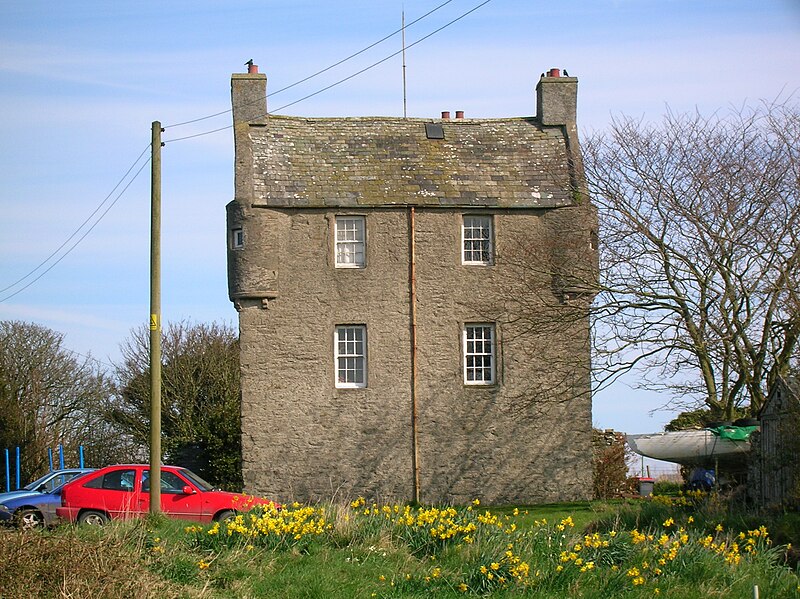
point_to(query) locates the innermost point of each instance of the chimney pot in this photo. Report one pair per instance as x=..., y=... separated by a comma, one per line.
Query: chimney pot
x=252, y=68
x=553, y=73
x=445, y=114
x=459, y=114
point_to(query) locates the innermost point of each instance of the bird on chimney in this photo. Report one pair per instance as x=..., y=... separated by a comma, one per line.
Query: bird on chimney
x=565, y=73
x=249, y=63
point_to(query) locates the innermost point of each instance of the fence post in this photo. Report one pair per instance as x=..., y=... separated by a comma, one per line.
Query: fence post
x=8, y=473
x=18, y=468
x=80, y=456
x=50, y=457
x=60, y=456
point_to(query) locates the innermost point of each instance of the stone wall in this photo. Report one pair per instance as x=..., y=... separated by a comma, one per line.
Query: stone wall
x=524, y=439
x=305, y=439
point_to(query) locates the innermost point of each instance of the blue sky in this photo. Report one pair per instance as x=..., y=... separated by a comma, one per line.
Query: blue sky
x=81, y=82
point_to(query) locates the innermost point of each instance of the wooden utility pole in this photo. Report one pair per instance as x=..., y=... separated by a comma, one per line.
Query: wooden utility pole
x=155, y=320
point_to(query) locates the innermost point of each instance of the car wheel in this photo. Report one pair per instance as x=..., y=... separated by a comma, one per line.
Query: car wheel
x=225, y=515
x=30, y=519
x=92, y=518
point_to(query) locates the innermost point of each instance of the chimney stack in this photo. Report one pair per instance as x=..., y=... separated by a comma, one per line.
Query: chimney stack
x=445, y=114
x=459, y=114
x=557, y=98
x=249, y=95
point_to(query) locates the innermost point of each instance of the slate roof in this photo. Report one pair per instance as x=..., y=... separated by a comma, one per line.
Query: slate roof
x=383, y=161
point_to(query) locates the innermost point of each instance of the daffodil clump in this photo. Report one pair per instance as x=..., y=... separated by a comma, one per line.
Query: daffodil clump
x=555, y=557
x=496, y=571
x=426, y=550
x=265, y=526
x=662, y=554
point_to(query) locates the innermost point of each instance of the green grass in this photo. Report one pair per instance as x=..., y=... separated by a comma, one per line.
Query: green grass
x=582, y=512
x=584, y=550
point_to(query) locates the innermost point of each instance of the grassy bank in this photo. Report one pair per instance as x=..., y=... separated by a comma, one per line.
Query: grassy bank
x=687, y=546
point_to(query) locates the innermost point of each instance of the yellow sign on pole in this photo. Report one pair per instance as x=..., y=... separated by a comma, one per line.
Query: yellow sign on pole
x=154, y=322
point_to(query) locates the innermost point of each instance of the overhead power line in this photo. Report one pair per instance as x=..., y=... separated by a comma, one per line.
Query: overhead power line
x=85, y=233
x=340, y=81
x=373, y=65
x=320, y=72
x=88, y=219
x=88, y=357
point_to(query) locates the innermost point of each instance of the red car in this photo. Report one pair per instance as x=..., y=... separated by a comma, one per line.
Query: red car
x=123, y=491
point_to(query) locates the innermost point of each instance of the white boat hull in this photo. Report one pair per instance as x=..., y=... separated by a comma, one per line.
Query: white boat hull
x=694, y=447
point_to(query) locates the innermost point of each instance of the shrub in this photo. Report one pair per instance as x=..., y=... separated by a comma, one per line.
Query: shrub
x=666, y=487
x=610, y=464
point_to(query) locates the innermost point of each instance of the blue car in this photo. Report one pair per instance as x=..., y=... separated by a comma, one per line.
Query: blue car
x=35, y=509
x=46, y=484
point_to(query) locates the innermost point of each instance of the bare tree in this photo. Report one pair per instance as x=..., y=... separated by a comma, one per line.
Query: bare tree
x=700, y=256
x=49, y=396
x=699, y=281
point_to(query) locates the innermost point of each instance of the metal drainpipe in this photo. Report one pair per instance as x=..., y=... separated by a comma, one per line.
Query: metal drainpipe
x=412, y=285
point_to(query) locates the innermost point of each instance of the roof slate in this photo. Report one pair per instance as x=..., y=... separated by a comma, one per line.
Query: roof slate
x=385, y=161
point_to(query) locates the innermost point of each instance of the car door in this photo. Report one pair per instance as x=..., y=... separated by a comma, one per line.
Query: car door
x=115, y=492
x=47, y=505
x=175, y=501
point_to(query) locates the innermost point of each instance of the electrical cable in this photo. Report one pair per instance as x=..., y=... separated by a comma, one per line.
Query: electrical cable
x=88, y=357
x=88, y=218
x=339, y=82
x=82, y=237
x=422, y=39
x=311, y=95
x=326, y=69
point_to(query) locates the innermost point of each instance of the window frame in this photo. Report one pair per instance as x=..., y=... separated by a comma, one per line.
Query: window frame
x=489, y=240
x=362, y=357
x=104, y=481
x=237, y=238
x=357, y=242
x=492, y=354
x=169, y=489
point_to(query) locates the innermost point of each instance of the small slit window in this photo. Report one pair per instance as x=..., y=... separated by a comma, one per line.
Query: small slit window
x=237, y=238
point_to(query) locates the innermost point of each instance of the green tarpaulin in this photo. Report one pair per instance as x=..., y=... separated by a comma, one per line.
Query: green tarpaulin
x=734, y=433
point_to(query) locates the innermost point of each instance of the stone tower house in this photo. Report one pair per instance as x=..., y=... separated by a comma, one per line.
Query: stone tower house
x=372, y=262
